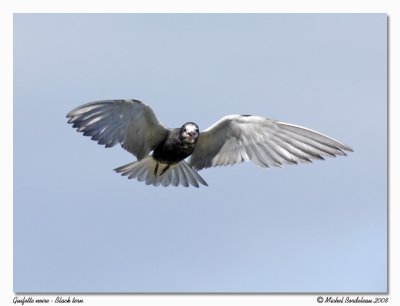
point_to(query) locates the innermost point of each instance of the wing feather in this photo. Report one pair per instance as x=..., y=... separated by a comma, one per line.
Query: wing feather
x=131, y=123
x=234, y=139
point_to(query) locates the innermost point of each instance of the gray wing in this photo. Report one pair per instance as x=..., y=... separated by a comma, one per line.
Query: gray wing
x=128, y=122
x=236, y=138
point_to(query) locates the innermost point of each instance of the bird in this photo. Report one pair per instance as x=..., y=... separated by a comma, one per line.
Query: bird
x=161, y=152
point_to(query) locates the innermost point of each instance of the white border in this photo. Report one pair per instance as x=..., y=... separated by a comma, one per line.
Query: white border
x=8, y=7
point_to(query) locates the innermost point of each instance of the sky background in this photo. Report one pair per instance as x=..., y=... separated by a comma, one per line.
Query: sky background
x=79, y=227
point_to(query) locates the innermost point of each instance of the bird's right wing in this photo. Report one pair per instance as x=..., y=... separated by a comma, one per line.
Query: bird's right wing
x=131, y=123
x=237, y=138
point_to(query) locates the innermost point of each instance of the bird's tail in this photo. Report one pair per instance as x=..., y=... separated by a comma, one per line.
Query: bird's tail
x=155, y=173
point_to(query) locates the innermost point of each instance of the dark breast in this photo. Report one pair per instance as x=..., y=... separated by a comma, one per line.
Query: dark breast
x=172, y=150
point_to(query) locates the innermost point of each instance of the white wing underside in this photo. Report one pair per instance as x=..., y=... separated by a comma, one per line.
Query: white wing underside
x=236, y=138
x=130, y=123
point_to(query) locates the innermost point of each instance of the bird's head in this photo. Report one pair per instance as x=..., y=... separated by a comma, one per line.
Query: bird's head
x=189, y=132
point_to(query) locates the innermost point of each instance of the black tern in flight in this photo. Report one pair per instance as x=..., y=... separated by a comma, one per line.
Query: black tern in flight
x=161, y=151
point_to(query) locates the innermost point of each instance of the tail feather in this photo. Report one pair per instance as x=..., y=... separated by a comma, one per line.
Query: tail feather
x=174, y=177
x=141, y=175
x=192, y=180
x=194, y=173
x=182, y=177
x=155, y=173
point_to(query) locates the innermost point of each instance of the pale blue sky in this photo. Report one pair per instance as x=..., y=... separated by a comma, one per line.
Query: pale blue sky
x=79, y=227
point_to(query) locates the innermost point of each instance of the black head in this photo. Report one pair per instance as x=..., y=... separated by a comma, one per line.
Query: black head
x=189, y=132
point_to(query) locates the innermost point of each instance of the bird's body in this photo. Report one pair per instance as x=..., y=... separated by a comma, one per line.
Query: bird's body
x=161, y=151
x=173, y=149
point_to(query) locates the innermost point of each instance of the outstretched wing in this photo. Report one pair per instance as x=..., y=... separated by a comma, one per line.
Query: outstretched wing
x=128, y=122
x=236, y=138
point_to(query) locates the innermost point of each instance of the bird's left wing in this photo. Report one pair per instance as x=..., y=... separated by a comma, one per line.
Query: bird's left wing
x=238, y=138
x=131, y=123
